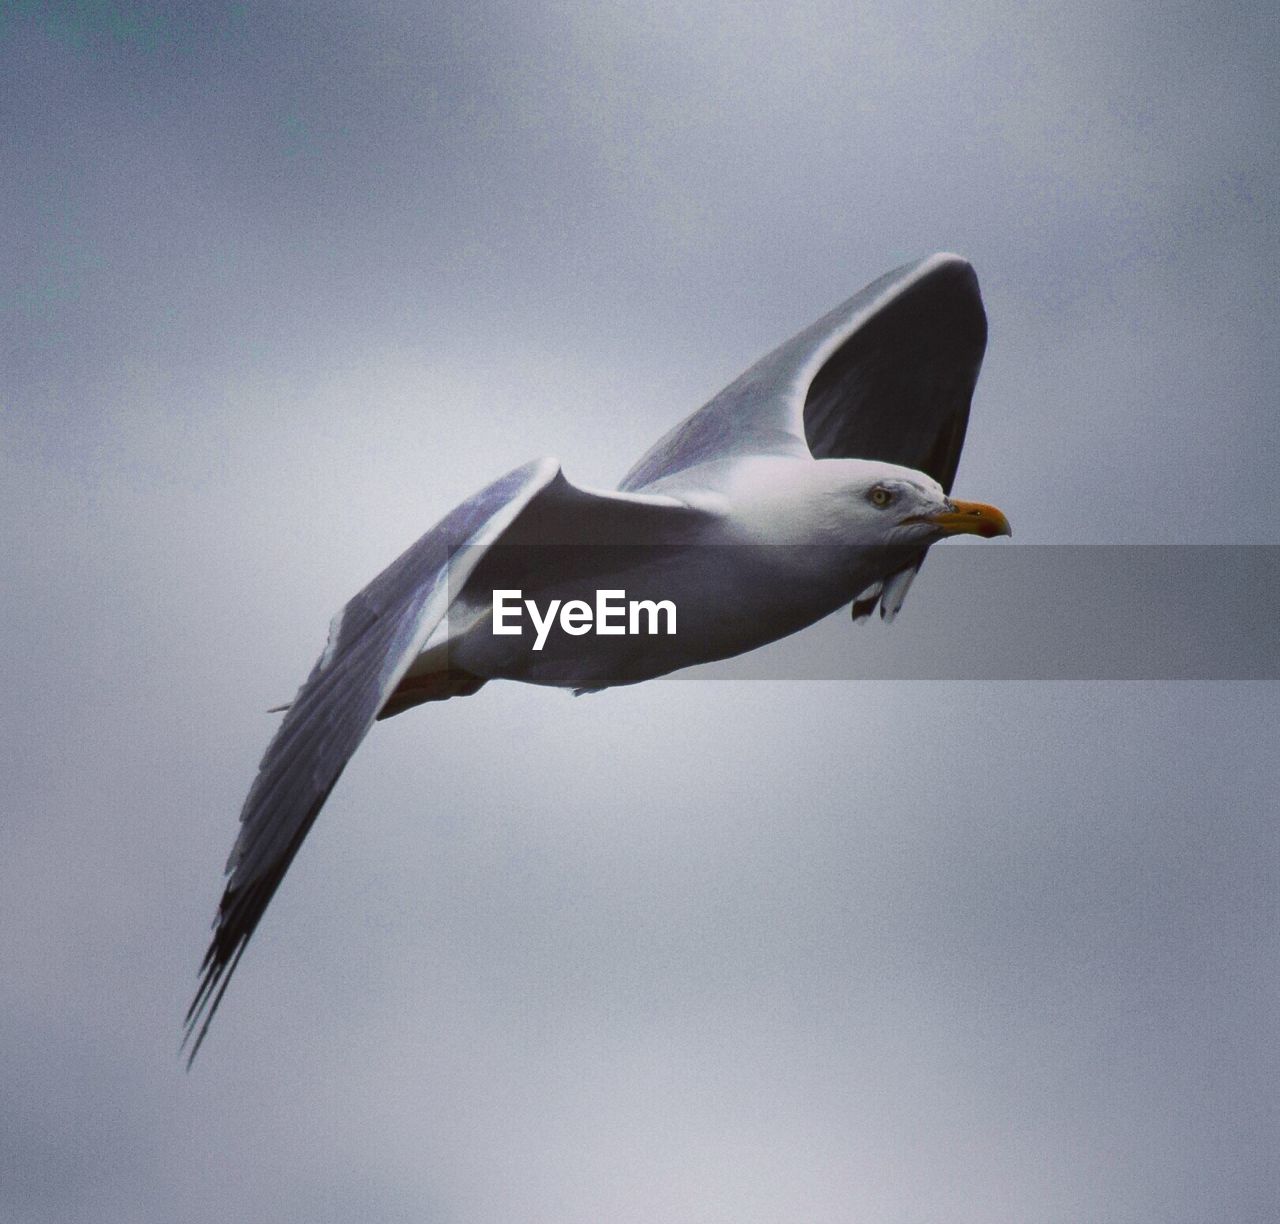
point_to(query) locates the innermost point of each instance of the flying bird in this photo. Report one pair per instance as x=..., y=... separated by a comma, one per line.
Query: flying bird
x=819, y=478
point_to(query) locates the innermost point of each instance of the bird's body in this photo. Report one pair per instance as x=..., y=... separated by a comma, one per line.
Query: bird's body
x=773, y=544
x=817, y=479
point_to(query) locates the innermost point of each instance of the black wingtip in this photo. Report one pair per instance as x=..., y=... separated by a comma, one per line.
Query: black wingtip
x=239, y=913
x=216, y=972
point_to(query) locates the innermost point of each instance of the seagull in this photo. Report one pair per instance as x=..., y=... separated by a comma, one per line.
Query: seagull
x=817, y=479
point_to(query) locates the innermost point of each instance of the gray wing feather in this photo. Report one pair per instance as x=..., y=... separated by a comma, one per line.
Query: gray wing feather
x=887, y=375
x=371, y=643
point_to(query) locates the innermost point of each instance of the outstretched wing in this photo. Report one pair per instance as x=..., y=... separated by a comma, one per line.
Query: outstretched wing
x=372, y=643
x=888, y=375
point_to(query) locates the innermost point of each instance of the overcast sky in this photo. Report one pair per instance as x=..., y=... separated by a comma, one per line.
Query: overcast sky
x=281, y=284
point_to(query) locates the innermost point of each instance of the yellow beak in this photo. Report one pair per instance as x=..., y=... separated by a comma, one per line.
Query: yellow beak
x=970, y=518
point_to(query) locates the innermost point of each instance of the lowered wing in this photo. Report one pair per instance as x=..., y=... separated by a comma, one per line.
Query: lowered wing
x=372, y=643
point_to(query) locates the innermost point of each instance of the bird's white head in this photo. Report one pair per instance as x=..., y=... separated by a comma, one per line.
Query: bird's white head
x=882, y=503
x=842, y=503
x=869, y=503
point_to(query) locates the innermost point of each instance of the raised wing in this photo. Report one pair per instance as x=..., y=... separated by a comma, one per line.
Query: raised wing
x=888, y=375
x=372, y=643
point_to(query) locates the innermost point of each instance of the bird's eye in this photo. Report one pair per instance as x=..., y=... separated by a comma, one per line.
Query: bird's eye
x=880, y=496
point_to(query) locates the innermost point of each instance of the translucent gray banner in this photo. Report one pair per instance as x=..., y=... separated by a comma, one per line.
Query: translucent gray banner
x=1054, y=612
x=991, y=612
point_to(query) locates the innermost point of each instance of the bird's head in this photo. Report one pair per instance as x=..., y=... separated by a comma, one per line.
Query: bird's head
x=882, y=503
x=849, y=503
